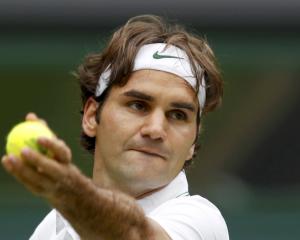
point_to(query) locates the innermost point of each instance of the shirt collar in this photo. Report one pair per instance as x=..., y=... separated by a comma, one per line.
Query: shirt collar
x=176, y=188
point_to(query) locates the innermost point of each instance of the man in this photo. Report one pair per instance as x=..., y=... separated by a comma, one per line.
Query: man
x=143, y=98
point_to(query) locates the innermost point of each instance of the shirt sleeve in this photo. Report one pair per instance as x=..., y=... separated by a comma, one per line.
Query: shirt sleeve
x=46, y=229
x=191, y=217
x=54, y=227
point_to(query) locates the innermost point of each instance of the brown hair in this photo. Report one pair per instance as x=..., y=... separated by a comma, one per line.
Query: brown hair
x=120, y=53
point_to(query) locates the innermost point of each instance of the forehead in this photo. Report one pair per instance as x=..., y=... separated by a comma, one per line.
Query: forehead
x=160, y=84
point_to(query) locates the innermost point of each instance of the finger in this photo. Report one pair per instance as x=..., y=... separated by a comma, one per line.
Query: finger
x=58, y=147
x=33, y=117
x=7, y=163
x=43, y=164
x=31, y=179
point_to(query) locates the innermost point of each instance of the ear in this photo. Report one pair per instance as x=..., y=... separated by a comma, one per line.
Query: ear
x=192, y=149
x=191, y=152
x=89, y=123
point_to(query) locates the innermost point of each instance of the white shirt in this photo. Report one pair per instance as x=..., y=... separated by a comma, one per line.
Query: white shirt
x=182, y=216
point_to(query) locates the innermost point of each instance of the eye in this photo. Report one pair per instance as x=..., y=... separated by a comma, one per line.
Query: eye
x=178, y=115
x=137, y=105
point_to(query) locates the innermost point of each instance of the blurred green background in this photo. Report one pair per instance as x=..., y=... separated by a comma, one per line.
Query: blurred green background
x=249, y=161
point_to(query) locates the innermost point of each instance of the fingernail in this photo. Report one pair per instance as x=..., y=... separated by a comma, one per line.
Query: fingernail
x=12, y=159
x=42, y=140
x=25, y=151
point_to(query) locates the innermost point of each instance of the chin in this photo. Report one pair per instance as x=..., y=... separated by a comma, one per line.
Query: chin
x=144, y=178
x=137, y=187
x=141, y=172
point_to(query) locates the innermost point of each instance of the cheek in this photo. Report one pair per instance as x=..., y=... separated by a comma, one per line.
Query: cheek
x=117, y=124
x=182, y=142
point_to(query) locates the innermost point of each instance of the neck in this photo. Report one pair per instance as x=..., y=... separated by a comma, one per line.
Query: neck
x=101, y=180
x=148, y=193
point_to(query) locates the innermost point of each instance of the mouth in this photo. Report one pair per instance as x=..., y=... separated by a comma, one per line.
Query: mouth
x=150, y=153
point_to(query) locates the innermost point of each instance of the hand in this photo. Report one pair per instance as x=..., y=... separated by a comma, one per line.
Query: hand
x=76, y=197
x=41, y=174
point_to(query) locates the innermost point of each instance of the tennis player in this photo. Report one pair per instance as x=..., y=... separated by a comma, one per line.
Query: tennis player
x=143, y=99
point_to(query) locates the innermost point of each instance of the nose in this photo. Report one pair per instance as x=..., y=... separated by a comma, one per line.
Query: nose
x=154, y=126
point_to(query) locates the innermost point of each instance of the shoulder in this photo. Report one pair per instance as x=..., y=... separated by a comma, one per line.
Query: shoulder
x=191, y=217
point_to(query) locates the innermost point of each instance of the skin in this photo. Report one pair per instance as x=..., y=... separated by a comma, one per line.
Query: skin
x=135, y=125
x=152, y=138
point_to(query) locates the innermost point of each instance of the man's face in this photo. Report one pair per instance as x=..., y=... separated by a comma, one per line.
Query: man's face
x=146, y=132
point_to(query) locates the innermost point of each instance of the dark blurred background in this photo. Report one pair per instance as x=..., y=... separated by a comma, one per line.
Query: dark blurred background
x=249, y=161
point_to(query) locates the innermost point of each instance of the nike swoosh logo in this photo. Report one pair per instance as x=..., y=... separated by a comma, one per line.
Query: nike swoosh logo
x=159, y=56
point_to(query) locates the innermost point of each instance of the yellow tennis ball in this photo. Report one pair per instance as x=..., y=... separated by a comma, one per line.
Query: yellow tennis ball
x=25, y=134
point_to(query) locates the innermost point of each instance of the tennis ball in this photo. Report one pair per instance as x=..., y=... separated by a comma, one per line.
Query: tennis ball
x=25, y=134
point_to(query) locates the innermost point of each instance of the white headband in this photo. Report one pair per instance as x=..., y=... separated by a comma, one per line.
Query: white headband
x=157, y=57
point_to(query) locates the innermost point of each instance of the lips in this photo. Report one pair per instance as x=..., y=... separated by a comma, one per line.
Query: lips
x=152, y=152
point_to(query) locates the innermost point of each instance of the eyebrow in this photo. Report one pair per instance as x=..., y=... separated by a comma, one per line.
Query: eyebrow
x=140, y=95
x=185, y=105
